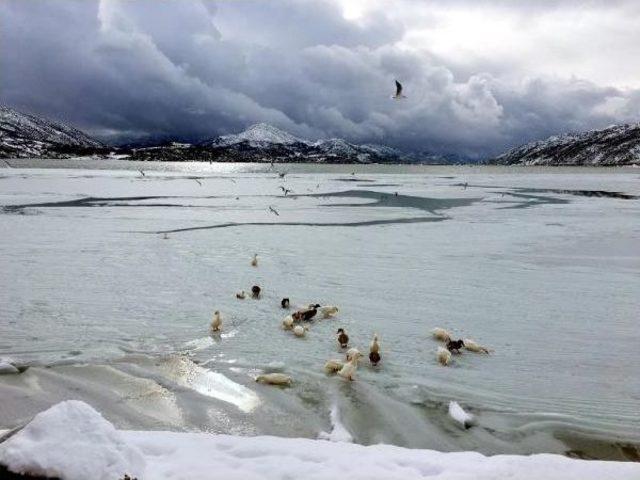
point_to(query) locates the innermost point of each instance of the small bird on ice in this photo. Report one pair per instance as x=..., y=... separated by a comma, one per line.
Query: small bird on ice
x=398, y=95
x=286, y=191
x=254, y=261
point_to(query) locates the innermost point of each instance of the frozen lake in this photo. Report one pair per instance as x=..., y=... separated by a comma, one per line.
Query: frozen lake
x=109, y=280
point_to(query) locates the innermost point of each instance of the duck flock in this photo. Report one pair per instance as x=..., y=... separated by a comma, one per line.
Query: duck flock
x=298, y=324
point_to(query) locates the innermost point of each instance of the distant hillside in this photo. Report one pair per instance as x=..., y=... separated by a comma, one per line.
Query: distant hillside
x=29, y=136
x=23, y=135
x=265, y=143
x=613, y=146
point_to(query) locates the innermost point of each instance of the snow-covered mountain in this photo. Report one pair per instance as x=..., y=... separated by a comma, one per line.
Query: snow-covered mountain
x=265, y=143
x=613, y=146
x=23, y=135
x=257, y=136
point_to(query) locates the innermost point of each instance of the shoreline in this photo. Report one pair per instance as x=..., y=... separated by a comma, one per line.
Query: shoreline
x=150, y=393
x=90, y=445
x=93, y=163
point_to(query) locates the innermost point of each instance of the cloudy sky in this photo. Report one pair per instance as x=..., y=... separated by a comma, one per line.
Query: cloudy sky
x=480, y=75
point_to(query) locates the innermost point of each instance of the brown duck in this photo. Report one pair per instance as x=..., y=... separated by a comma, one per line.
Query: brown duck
x=343, y=338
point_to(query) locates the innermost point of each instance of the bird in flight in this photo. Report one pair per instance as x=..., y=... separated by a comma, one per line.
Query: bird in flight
x=398, y=95
x=273, y=210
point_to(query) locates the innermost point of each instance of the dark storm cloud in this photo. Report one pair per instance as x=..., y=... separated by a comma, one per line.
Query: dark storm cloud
x=195, y=69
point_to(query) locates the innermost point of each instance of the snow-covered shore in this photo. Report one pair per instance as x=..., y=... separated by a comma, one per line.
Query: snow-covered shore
x=72, y=441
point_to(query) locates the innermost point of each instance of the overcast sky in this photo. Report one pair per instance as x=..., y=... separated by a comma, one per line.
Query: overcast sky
x=480, y=75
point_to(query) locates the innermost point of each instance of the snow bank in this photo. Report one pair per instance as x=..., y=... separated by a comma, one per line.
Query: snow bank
x=72, y=441
x=203, y=456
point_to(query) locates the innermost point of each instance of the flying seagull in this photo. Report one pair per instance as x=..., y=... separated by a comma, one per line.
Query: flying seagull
x=398, y=95
x=273, y=210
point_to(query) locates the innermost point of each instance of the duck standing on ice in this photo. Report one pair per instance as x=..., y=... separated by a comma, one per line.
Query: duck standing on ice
x=216, y=323
x=374, y=351
x=343, y=338
x=348, y=371
x=254, y=261
x=255, y=291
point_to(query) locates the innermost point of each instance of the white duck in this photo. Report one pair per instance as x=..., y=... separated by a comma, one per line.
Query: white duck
x=216, y=323
x=474, y=347
x=444, y=356
x=300, y=331
x=352, y=352
x=287, y=323
x=441, y=334
x=333, y=366
x=348, y=371
x=328, y=311
x=274, y=379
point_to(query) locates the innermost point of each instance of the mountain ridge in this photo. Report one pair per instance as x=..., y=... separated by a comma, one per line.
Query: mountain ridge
x=616, y=145
x=26, y=135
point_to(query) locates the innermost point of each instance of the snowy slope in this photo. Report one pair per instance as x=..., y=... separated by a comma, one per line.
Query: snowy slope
x=615, y=145
x=74, y=442
x=265, y=143
x=258, y=135
x=23, y=135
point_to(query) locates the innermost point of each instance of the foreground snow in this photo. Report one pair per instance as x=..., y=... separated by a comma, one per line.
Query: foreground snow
x=74, y=442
